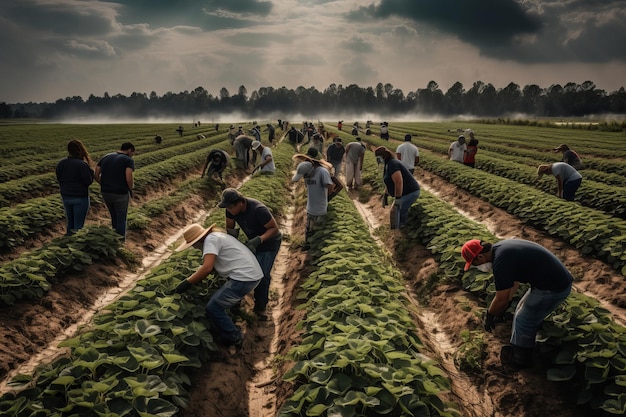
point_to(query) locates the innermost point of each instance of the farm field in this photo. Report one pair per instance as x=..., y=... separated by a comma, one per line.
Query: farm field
x=369, y=321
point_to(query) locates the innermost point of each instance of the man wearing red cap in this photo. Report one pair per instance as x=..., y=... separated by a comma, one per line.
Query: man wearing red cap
x=513, y=261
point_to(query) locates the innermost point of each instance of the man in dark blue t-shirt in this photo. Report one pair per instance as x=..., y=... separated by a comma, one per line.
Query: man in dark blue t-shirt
x=264, y=237
x=513, y=261
x=114, y=173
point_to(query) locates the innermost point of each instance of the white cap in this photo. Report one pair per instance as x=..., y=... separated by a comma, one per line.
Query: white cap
x=255, y=145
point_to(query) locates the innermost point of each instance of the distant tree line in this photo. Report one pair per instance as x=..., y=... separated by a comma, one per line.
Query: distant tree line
x=481, y=100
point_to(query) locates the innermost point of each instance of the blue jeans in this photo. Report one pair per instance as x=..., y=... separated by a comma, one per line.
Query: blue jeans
x=407, y=202
x=570, y=188
x=118, y=208
x=222, y=300
x=75, y=211
x=534, y=306
x=262, y=291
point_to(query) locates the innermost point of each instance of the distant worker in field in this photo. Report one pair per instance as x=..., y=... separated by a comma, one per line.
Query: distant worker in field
x=216, y=162
x=180, y=130
x=408, y=154
x=271, y=132
x=334, y=155
x=256, y=132
x=319, y=186
x=232, y=261
x=266, y=160
x=384, y=130
x=317, y=142
x=515, y=261
x=115, y=174
x=457, y=149
x=354, y=155
x=469, y=158
x=295, y=136
x=232, y=134
x=75, y=175
x=339, y=124
x=158, y=139
x=567, y=178
x=264, y=238
x=243, y=146
x=399, y=183
x=569, y=156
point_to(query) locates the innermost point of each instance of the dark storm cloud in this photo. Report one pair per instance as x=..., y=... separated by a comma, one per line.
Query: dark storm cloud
x=530, y=31
x=474, y=21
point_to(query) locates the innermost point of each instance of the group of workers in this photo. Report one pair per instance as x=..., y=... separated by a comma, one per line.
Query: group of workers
x=247, y=266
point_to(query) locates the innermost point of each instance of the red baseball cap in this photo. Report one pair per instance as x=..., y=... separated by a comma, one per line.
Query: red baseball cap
x=469, y=251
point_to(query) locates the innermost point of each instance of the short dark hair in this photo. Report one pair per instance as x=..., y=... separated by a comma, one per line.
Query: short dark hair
x=126, y=146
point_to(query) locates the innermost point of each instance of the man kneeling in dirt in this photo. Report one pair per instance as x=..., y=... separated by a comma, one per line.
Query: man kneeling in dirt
x=233, y=261
x=216, y=162
x=513, y=261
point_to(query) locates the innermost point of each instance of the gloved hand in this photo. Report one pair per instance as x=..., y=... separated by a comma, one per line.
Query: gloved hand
x=489, y=321
x=398, y=202
x=183, y=286
x=253, y=243
x=256, y=168
x=233, y=232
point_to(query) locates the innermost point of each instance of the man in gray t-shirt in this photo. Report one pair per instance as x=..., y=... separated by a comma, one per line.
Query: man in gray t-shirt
x=567, y=178
x=318, y=184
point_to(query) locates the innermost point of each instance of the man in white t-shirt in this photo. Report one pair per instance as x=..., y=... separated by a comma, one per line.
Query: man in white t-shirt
x=457, y=149
x=267, y=159
x=408, y=154
x=567, y=178
x=231, y=259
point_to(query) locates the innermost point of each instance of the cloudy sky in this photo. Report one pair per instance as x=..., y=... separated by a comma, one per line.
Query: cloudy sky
x=53, y=49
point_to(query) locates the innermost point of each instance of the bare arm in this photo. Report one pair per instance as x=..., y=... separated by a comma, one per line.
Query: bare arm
x=129, y=178
x=396, y=177
x=502, y=299
x=271, y=229
x=98, y=174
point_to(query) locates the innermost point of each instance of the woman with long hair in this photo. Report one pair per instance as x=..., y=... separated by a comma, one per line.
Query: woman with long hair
x=75, y=175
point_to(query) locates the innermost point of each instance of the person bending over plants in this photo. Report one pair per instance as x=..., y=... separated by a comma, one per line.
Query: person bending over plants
x=515, y=261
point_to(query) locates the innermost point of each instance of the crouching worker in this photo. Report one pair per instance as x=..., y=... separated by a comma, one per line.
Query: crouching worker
x=513, y=261
x=264, y=238
x=216, y=162
x=232, y=260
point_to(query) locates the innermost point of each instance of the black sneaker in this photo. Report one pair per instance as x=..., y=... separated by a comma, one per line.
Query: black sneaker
x=516, y=358
x=261, y=314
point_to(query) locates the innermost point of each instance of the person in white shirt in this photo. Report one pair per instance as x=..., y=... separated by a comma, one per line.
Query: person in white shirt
x=266, y=165
x=408, y=154
x=232, y=260
x=567, y=178
x=457, y=149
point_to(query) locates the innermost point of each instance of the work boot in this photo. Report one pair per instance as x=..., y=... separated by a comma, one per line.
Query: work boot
x=261, y=314
x=515, y=357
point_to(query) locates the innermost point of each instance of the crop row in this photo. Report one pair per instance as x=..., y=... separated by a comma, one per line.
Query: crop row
x=360, y=354
x=136, y=357
x=34, y=272
x=23, y=221
x=22, y=189
x=599, y=152
x=601, y=196
x=591, y=231
x=581, y=342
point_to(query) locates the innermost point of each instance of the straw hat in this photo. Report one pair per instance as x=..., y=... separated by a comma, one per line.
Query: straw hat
x=300, y=157
x=193, y=233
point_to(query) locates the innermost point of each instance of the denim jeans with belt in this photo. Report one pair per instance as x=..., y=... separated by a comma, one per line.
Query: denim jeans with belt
x=222, y=300
x=534, y=306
